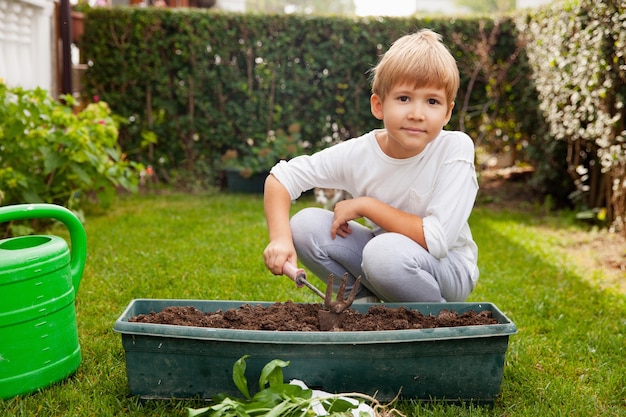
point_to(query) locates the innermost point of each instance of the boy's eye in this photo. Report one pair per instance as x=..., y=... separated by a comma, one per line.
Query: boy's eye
x=403, y=98
x=433, y=101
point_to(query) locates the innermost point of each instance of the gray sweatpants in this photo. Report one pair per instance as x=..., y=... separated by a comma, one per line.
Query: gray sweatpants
x=392, y=266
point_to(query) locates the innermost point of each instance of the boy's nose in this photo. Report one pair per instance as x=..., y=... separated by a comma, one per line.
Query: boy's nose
x=416, y=113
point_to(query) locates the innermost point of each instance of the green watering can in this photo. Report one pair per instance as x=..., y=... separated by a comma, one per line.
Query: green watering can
x=38, y=284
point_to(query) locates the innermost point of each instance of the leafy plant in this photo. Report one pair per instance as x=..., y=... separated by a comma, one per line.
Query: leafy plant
x=51, y=154
x=257, y=156
x=577, y=57
x=275, y=397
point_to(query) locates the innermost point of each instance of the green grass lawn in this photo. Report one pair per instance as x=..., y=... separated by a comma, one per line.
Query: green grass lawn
x=568, y=359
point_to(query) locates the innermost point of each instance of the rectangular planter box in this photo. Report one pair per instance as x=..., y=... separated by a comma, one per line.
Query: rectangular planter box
x=455, y=363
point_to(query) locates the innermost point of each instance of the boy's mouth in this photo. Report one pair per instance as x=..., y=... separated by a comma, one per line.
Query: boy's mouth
x=414, y=130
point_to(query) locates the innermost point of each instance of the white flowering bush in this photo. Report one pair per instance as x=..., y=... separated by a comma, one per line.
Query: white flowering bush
x=576, y=50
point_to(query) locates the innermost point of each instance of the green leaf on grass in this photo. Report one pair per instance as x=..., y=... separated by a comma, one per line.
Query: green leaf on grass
x=239, y=377
x=272, y=373
x=338, y=405
x=193, y=412
x=286, y=408
x=277, y=393
x=276, y=400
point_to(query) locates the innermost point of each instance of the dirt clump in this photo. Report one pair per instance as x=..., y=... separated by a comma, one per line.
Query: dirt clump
x=289, y=316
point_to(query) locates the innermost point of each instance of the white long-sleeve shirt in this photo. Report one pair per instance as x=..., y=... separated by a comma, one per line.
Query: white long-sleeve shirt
x=439, y=184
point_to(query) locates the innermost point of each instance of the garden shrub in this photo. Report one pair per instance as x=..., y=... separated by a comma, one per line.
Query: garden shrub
x=49, y=154
x=577, y=52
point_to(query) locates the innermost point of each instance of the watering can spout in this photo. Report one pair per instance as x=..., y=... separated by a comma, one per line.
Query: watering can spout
x=78, y=237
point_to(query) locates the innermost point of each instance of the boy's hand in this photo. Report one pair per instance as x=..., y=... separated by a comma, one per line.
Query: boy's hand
x=345, y=211
x=383, y=215
x=278, y=252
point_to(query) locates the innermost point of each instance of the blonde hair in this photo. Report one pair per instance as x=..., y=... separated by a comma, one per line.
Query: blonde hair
x=419, y=59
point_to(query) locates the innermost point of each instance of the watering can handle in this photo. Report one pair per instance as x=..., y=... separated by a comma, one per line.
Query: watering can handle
x=78, y=236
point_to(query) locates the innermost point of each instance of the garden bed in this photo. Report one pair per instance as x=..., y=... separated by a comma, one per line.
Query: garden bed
x=291, y=316
x=450, y=363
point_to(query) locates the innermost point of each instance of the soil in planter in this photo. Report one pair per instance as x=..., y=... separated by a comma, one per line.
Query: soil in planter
x=302, y=317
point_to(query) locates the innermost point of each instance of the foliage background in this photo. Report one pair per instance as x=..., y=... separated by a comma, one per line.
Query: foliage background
x=201, y=81
x=547, y=88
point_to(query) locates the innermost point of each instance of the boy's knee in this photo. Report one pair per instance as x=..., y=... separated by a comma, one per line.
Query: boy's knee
x=307, y=224
x=309, y=219
x=387, y=246
x=382, y=253
x=393, y=254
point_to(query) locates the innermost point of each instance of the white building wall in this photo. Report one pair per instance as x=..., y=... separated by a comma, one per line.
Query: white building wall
x=25, y=43
x=231, y=5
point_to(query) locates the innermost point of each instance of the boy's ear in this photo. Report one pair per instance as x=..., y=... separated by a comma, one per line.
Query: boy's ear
x=449, y=115
x=376, y=104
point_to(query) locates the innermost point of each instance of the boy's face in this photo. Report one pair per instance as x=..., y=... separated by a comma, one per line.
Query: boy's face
x=413, y=117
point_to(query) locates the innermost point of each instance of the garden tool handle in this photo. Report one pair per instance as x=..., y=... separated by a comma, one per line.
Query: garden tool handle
x=78, y=237
x=296, y=274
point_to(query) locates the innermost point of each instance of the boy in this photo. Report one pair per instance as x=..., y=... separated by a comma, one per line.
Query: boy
x=414, y=181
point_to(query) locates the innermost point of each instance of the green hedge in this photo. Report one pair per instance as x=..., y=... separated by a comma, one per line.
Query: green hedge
x=203, y=81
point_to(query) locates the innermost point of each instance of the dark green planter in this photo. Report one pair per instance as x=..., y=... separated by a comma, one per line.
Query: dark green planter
x=236, y=183
x=455, y=363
